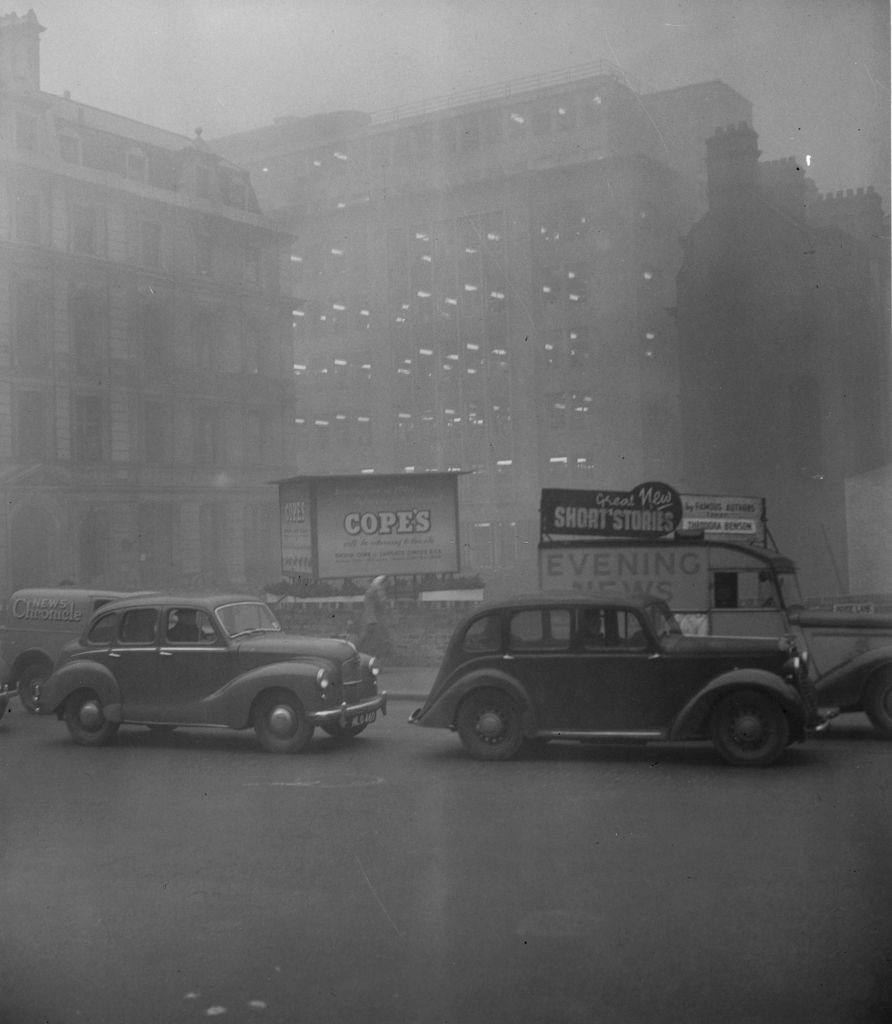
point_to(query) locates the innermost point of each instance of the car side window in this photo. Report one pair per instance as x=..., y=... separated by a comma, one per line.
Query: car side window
x=630, y=631
x=484, y=634
x=189, y=626
x=592, y=630
x=103, y=630
x=538, y=628
x=139, y=626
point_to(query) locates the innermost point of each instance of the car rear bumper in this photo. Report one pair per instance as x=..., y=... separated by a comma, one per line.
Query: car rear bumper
x=344, y=712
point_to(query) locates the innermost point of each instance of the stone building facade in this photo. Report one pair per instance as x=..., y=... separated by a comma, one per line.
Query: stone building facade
x=486, y=284
x=784, y=341
x=145, y=367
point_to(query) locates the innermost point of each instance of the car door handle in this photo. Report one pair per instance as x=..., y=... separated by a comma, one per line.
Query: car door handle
x=166, y=654
x=114, y=654
x=507, y=657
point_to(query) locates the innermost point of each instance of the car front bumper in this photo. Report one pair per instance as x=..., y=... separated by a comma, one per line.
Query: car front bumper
x=344, y=713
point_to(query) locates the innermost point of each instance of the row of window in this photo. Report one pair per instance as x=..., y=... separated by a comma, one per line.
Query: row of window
x=150, y=239
x=138, y=161
x=463, y=134
x=214, y=441
x=219, y=340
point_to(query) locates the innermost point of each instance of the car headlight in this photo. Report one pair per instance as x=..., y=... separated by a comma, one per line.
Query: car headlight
x=322, y=679
x=374, y=667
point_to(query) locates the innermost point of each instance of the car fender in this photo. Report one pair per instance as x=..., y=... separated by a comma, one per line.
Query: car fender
x=236, y=698
x=24, y=659
x=843, y=686
x=690, y=721
x=80, y=675
x=444, y=710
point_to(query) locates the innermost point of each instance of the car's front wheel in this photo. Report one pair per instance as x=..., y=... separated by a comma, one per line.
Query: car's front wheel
x=32, y=676
x=488, y=724
x=86, y=720
x=878, y=702
x=281, y=724
x=749, y=728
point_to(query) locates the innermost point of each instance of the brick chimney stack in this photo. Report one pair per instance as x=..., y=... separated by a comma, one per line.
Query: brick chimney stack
x=732, y=164
x=20, y=52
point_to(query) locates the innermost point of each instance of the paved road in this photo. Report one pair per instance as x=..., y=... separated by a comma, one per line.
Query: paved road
x=186, y=877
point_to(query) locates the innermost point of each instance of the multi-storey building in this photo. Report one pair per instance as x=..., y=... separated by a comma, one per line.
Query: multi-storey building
x=145, y=365
x=783, y=319
x=487, y=283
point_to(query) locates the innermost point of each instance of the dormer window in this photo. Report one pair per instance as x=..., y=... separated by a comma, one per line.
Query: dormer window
x=26, y=132
x=69, y=149
x=136, y=164
x=203, y=181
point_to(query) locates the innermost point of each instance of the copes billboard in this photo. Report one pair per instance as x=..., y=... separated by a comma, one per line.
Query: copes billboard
x=343, y=526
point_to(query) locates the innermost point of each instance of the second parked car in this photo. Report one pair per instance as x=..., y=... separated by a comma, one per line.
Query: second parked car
x=573, y=668
x=168, y=660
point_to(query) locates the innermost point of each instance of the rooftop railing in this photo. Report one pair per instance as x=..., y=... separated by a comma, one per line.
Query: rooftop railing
x=502, y=90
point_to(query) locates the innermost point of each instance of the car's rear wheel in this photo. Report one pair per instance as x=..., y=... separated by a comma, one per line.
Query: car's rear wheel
x=32, y=676
x=749, y=728
x=343, y=732
x=86, y=721
x=488, y=724
x=878, y=701
x=281, y=724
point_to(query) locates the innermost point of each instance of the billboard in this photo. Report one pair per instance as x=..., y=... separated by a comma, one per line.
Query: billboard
x=648, y=510
x=727, y=515
x=336, y=527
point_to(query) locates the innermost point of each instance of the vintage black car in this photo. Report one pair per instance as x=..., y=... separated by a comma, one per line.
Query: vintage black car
x=180, y=660
x=551, y=667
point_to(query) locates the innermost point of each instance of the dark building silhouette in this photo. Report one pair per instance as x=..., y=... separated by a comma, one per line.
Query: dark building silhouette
x=485, y=284
x=783, y=335
x=145, y=383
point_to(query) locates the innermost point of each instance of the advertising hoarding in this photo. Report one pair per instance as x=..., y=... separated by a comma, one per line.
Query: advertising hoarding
x=724, y=514
x=343, y=526
x=614, y=571
x=648, y=510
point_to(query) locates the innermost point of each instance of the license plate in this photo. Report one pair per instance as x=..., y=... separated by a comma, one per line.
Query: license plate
x=363, y=719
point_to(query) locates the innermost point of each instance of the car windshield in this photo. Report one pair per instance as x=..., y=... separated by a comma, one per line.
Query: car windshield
x=247, y=617
x=663, y=620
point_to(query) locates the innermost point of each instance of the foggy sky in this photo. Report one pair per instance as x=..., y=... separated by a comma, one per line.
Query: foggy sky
x=816, y=71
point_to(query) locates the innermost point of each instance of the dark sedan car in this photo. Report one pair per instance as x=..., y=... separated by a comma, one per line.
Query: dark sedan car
x=573, y=668
x=167, y=660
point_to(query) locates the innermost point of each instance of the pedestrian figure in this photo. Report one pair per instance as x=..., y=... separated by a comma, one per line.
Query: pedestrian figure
x=375, y=637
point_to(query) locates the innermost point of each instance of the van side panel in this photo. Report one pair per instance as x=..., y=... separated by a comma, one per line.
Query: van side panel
x=679, y=575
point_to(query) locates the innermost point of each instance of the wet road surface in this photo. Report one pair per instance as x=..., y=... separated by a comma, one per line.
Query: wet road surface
x=189, y=876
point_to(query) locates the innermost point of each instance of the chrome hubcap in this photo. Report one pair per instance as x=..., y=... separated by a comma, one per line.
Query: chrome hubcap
x=490, y=724
x=90, y=714
x=748, y=727
x=282, y=720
